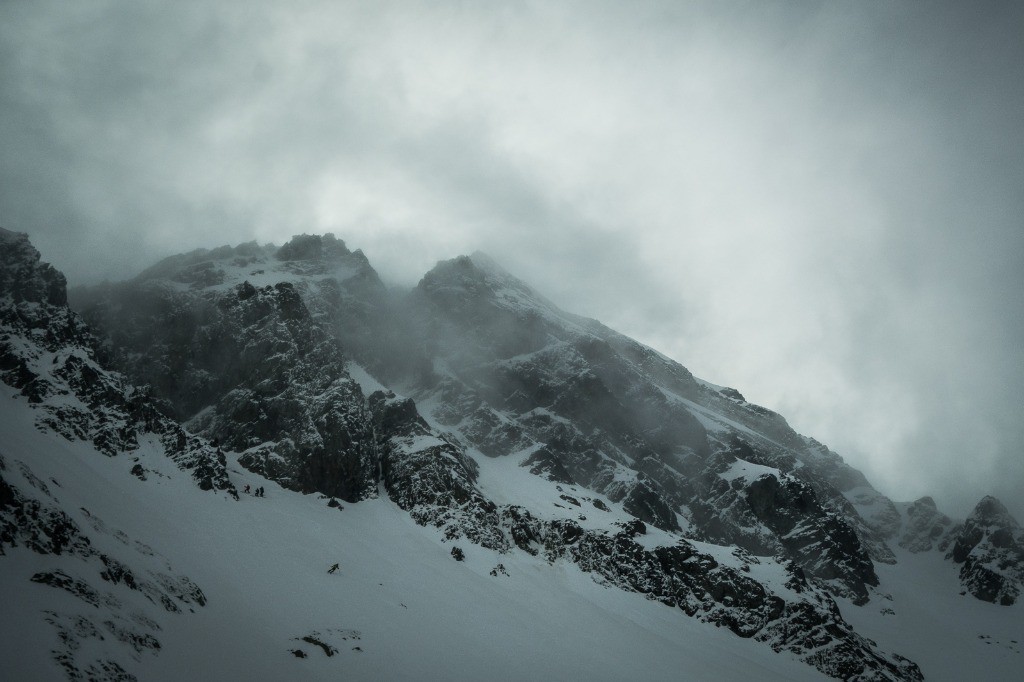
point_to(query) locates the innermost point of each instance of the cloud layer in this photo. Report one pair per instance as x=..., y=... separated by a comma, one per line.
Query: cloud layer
x=822, y=205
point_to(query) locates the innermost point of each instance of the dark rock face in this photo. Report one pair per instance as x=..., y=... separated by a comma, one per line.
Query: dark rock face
x=321, y=640
x=312, y=247
x=43, y=529
x=430, y=476
x=298, y=418
x=644, y=502
x=250, y=368
x=826, y=547
x=990, y=545
x=767, y=512
x=260, y=369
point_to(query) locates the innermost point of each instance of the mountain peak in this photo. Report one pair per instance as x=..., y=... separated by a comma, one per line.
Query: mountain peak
x=478, y=276
x=313, y=247
x=991, y=512
x=487, y=264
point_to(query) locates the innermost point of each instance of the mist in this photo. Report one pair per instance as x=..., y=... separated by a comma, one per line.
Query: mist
x=821, y=205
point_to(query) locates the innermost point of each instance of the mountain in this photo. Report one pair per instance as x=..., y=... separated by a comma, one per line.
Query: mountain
x=465, y=449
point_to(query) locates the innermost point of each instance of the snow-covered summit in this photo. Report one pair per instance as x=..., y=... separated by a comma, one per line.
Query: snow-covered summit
x=304, y=257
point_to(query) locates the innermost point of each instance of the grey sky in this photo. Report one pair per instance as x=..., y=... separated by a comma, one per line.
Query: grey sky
x=819, y=204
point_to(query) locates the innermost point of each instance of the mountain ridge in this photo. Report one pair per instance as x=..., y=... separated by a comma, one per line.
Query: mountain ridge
x=636, y=472
x=513, y=346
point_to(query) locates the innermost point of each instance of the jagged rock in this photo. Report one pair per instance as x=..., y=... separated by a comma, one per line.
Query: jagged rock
x=742, y=501
x=24, y=278
x=43, y=529
x=825, y=546
x=431, y=477
x=261, y=377
x=74, y=586
x=990, y=545
x=603, y=409
x=313, y=247
x=645, y=503
x=322, y=640
x=542, y=462
x=682, y=577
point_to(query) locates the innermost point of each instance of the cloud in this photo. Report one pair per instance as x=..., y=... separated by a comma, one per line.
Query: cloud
x=819, y=204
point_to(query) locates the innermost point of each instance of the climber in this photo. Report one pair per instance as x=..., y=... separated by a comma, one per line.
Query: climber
x=333, y=568
x=246, y=488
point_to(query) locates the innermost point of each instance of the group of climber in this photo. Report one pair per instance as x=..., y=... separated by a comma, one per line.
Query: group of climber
x=257, y=493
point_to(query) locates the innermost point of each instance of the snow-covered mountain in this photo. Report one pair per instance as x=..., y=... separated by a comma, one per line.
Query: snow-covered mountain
x=510, y=491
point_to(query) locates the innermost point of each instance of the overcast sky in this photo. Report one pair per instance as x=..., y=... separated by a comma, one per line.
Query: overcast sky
x=819, y=204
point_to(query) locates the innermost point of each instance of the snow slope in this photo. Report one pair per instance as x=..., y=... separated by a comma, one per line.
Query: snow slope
x=413, y=611
x=926, y=616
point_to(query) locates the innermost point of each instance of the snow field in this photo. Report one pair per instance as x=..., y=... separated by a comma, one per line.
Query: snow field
x=262, y=564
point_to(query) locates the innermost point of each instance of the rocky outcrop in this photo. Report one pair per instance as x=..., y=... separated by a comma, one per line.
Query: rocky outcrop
x=253, y=365
x=430, y=476
x=824, y=545
x=990, y=547
x=768, y=512
x=794, y=616
x=542, y=462
x=286, y=401
x=26, y=280
x=248, y=366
